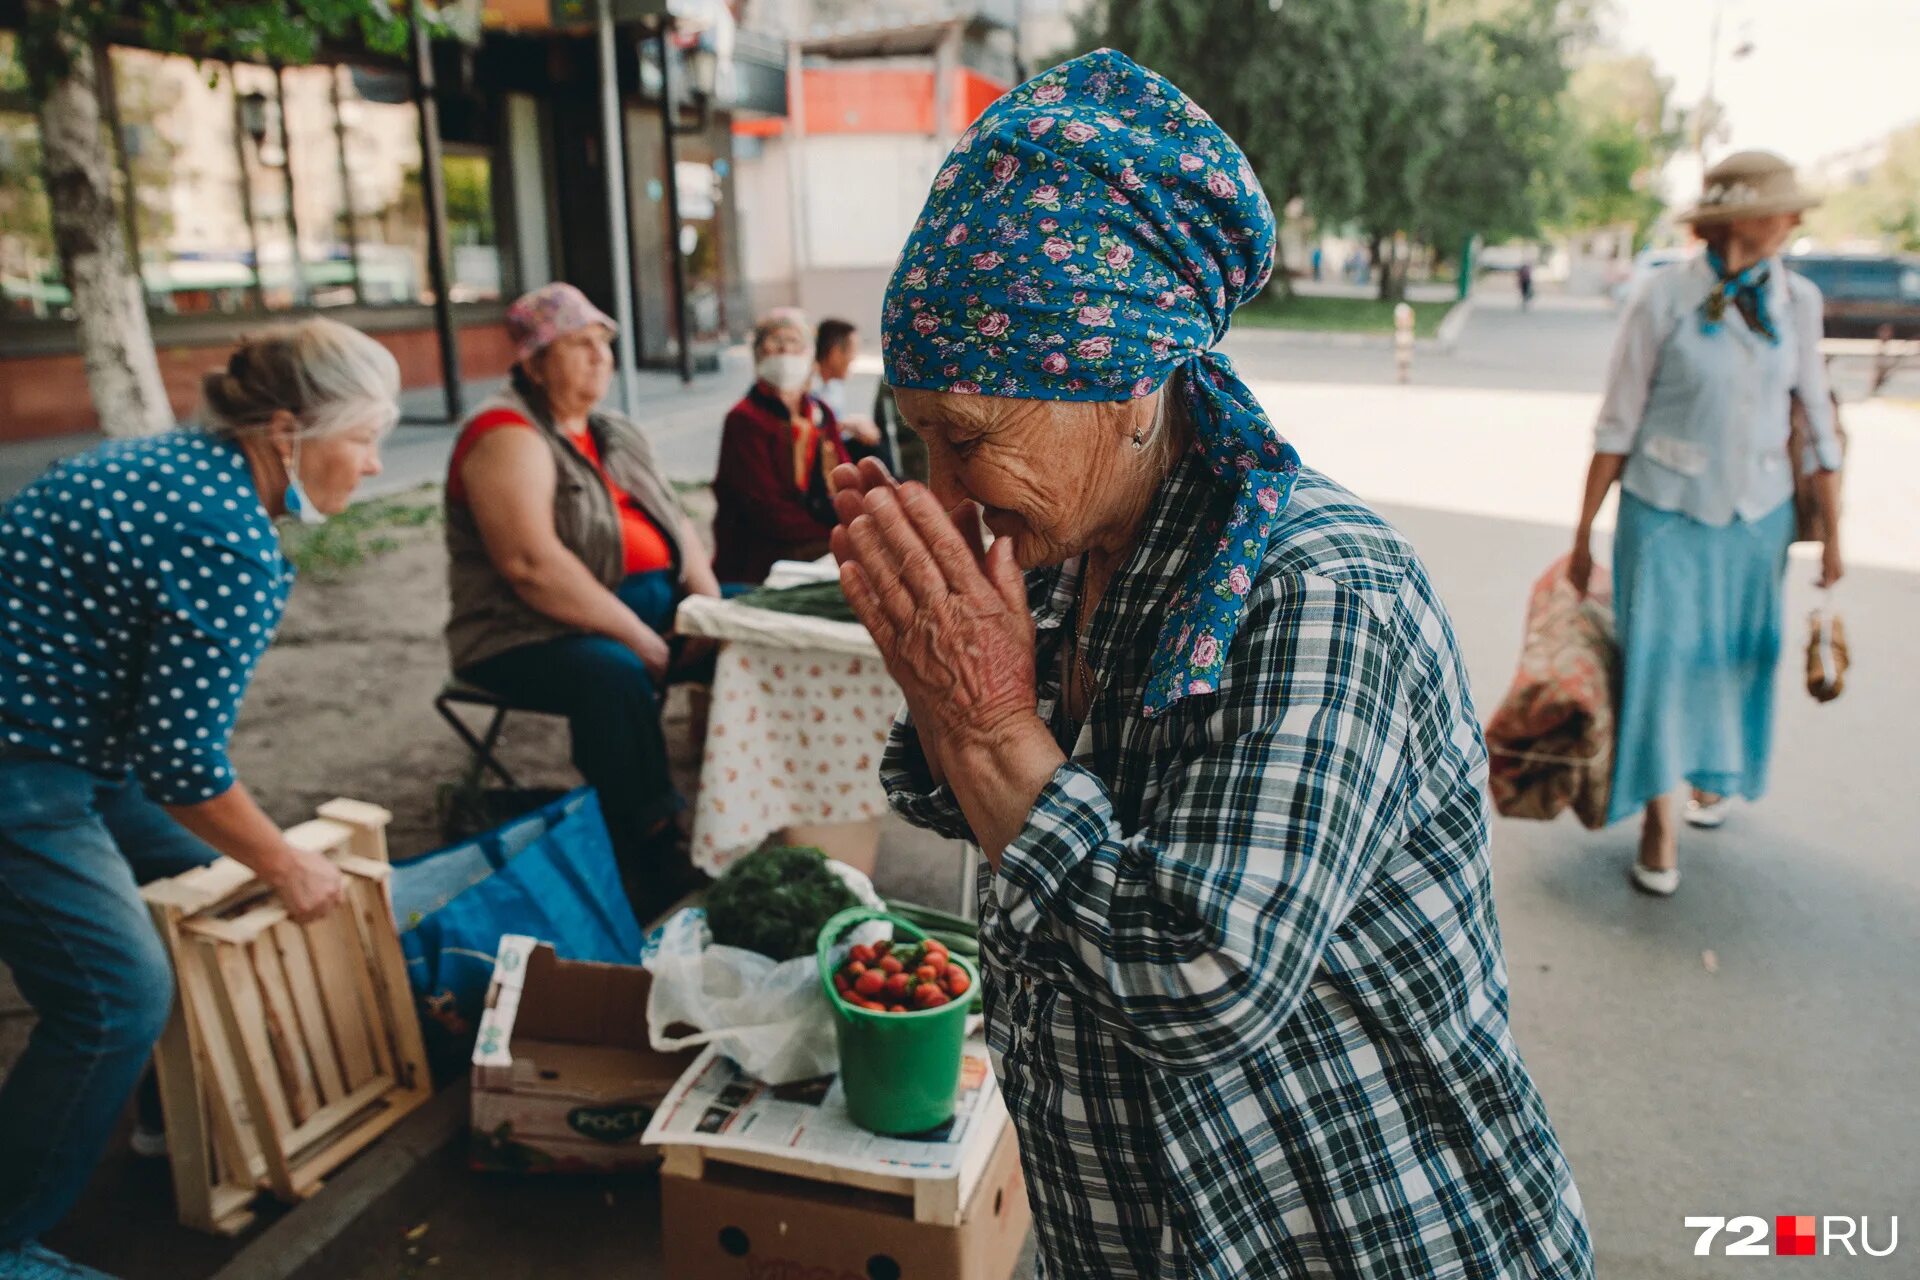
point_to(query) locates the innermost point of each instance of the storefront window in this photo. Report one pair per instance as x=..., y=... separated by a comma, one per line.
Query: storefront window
x=382, y=134
x=190, y=225
x=472, y=242
x=319, y=184
x=30, y=282
x=247, y=188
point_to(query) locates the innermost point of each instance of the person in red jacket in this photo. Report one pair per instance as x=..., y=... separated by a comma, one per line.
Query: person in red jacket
x=777, y=451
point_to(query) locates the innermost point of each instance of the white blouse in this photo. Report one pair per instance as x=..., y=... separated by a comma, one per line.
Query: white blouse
x=1703, y=417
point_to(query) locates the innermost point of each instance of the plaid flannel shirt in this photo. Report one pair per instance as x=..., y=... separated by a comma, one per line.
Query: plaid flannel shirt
x=1243, y=980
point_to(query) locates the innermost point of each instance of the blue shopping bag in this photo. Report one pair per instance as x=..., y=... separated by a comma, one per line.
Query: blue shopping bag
x=549, y=874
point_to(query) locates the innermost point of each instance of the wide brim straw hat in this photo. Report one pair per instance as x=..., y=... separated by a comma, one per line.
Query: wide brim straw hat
x=1749, y=184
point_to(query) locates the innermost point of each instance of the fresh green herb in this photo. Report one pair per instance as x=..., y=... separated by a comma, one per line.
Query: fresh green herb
x=774, y=901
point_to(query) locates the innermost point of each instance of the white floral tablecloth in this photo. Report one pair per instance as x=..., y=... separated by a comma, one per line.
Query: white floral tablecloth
x=799, y=715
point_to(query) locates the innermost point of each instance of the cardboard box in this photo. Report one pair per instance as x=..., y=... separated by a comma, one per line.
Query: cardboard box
x=563, y=1077
x=736, y=1223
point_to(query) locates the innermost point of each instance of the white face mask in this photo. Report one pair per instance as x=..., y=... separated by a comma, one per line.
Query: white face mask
x=788, y=372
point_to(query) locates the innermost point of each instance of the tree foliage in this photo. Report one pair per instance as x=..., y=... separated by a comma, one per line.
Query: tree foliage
x=1625, y=129
x=1288, y=82
x=266, y=30
x=1438, y=118
x=1501, y=76
x=1882, y=203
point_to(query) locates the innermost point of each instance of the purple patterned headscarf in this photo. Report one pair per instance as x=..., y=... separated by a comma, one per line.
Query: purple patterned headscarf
x=1088, y=236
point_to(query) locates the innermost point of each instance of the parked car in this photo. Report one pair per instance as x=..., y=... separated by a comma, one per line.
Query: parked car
x=1865, y=292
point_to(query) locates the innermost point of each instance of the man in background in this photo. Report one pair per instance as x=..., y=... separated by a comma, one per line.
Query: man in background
x=836, y=345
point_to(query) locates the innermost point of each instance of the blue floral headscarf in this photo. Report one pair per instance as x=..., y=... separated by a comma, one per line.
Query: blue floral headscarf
x=1089, y=235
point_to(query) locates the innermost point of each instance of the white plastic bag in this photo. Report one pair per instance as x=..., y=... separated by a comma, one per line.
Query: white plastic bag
x=770, y=1016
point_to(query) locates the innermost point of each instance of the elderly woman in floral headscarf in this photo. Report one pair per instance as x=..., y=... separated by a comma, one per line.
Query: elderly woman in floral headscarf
x=1204, y=714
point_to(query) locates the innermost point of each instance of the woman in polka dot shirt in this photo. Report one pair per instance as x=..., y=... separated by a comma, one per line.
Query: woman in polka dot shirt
x=139, y=584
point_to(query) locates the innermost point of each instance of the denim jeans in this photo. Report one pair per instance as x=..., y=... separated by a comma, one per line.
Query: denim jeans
x=612, y=706
x=74, y=847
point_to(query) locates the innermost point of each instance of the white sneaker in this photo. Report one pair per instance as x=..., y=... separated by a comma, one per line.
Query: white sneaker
x=1708, y=816
x=148, y=1144
x=1660, y=884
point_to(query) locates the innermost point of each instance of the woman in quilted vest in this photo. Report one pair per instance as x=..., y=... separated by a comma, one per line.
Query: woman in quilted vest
x=569, y=554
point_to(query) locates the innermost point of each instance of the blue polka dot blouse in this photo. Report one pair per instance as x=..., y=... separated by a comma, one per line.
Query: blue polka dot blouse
x=139, y=584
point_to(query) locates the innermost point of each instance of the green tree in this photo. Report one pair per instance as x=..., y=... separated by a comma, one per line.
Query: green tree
x=1503, y=172
x=1409, y=119
x=1464, y=130
x=1625, y=130
x=61, y=46
x=1288, y=82
x=1882, y=204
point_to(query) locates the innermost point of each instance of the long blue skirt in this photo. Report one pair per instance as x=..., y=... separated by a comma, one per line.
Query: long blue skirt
x=1698, y=613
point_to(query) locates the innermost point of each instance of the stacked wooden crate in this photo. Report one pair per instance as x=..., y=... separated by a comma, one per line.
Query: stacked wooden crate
x=293, y=1046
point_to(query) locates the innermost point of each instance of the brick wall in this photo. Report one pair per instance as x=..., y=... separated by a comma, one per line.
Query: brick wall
x=46, y=395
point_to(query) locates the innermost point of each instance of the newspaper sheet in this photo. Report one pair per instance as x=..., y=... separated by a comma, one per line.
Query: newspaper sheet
x=715, y=1104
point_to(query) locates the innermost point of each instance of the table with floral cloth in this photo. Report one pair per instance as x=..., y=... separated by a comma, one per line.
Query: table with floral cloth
x=799, y=713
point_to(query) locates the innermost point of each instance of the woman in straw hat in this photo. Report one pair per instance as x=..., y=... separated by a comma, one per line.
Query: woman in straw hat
x=1694, y=426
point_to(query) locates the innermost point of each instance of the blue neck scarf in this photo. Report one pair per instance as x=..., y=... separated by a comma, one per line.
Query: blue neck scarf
x=1091, y=234
x=1747, y=291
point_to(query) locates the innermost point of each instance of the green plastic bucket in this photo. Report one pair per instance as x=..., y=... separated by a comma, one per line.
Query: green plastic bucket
x=900, y=1071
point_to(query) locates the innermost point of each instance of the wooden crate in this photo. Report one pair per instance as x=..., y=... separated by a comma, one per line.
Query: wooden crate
x=292, y=1046
x=936, y=1201
x=731, y=1215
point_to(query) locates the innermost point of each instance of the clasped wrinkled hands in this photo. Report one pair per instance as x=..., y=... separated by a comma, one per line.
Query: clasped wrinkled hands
x=948, y=614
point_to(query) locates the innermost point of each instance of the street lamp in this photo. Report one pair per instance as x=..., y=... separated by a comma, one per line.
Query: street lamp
x=1710, y=114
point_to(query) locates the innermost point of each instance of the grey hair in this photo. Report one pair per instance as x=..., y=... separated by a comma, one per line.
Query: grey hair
x=329, y=377
x=782, y=318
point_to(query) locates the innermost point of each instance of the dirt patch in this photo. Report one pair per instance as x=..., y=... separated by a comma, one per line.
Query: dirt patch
x=343, y=701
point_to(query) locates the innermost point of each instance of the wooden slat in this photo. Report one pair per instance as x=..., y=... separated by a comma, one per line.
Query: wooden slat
x=232, y=1209
x=242, y=929
x=352, y=957
x=320, y=835
x=369, y=823
x=333, y=969
x=202, y=887
x=400, y=1104
x=388, y=966
x=297, y=963
x=189, y=1140
x=240, y=1012
x=336, y=1114
x=283, y=1031
x=233, y=1136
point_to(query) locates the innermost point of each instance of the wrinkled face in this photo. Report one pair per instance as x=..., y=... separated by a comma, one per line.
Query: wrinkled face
x=575, y=371
x=1055, y=476
x=332, y=467
x=1765, y=237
